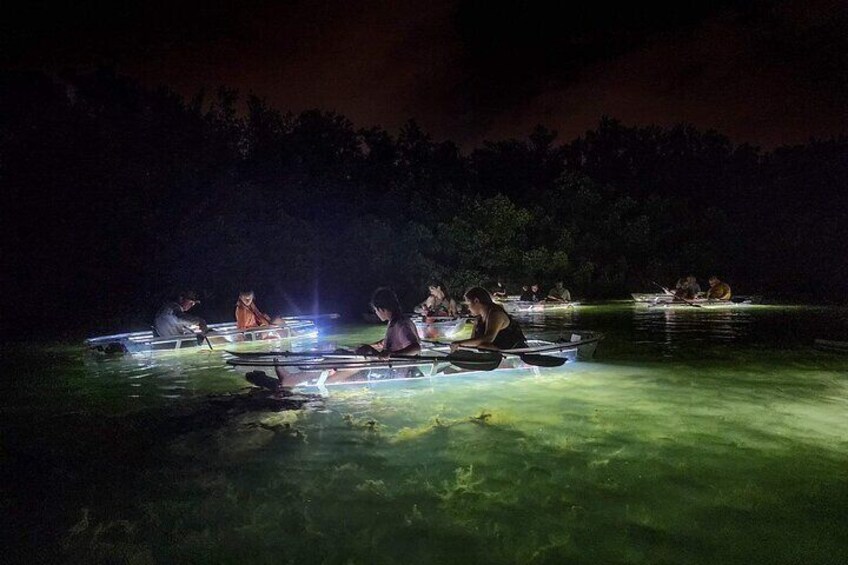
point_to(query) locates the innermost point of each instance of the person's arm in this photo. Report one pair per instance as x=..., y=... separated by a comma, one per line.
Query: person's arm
x=452, y=309
x=426, y=306
x=553, y=297
x=192, y=320
x=241, y=317
x=411, y=349
x=496, y=322
x=371, y=348
x=261, y=317
x=409, y=336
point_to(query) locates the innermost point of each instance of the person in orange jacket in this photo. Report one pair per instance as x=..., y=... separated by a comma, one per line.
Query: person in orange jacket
x=248, y=315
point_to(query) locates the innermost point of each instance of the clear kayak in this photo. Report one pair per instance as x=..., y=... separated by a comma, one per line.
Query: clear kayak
x=652, y=297
x=703, y=303
x=523, y=306
x=440, y=327
x=317, y=369
x=220, y=334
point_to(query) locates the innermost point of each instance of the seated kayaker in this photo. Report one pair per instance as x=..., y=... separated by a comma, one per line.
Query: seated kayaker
x=533, y=294
x=248, y=315
x=173, y=319
x=495, y=329
x=439, y=304
x=525, y=295
x=559, y=293
x=498, y=291
x=718, y=290
x=689, y=290
x=536, y=293
x=401, y=335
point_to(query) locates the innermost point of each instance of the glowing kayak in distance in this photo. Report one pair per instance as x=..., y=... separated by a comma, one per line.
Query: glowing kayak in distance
x=701, y=303
x=523, y=306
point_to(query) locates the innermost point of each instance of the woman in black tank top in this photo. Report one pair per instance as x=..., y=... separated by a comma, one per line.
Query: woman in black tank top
x=495, y=329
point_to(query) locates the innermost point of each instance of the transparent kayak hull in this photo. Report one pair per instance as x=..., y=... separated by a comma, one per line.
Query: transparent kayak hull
x=319, y=372
x=220, y=334
x=652, y=297
x=441, y=328
x=525, y=307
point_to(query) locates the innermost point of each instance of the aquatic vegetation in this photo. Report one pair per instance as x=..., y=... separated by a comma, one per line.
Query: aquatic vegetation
x=626, y=460
x=372, y=487
x=464, y=483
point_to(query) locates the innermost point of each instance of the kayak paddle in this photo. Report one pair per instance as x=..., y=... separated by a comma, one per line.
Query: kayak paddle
x=530, y=358
x=467, y=360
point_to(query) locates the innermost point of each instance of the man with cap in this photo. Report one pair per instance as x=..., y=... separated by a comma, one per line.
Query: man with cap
x=173, y=319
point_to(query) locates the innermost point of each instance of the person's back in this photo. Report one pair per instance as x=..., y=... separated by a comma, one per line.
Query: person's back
x=172, y=319
x=689, y=289
x=559, y=292
x=168, y=322
x=509, y=337
x=401, y=333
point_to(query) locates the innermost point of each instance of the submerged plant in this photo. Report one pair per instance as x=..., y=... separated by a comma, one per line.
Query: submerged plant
x=464, y=483
x=483, y=418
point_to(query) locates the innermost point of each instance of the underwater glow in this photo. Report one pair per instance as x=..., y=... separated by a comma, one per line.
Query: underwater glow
x=695, y=437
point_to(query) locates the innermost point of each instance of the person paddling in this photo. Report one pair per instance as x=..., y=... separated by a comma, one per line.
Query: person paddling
x=532, y=294
x=495, y=329
x=499, y=291
x=559, y=293
x=718, y=290
x=439, y=304
x=689, y=290
x=248, y=314
x=401, y=335
x=173, y=319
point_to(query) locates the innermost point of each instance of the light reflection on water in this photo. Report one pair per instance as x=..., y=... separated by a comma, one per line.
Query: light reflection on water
x=695, y=437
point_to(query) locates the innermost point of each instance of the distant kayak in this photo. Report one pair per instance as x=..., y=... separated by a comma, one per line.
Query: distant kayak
x=701, y=303
x=662, y=300
x=523, y=306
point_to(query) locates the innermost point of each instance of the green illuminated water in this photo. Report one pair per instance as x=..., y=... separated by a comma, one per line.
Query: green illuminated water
x=694, y=437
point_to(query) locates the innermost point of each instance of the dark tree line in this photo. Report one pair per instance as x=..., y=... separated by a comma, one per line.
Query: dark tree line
x=115, y=195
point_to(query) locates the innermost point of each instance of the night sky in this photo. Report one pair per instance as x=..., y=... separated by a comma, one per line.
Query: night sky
x=768, y=73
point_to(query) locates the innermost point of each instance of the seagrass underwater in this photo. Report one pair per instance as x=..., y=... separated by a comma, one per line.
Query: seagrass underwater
x=698, y=436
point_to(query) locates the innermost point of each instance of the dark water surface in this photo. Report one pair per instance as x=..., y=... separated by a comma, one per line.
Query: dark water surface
x=694, y=437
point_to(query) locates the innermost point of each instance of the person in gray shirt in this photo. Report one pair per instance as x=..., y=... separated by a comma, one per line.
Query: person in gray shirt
x=401, y=334
x=559, y=293
x=173, y=318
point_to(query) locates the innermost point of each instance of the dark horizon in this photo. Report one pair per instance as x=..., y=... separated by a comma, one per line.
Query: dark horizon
x=120, y=195
x=767, y=74
x=117, y=187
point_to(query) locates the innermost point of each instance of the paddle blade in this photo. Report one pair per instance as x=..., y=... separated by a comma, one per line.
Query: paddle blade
x=543, y=360
x=472, y=361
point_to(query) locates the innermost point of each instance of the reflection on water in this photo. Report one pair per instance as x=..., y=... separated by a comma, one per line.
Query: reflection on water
x=695, y=437
x=675, y=328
